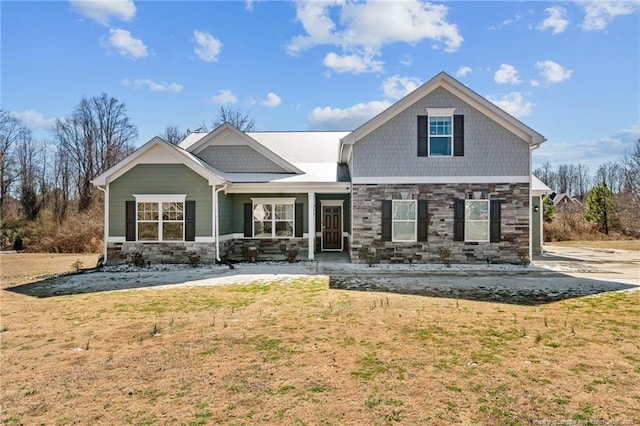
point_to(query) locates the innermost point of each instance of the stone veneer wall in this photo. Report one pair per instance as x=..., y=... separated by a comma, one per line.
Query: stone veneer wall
x=367, y=223
x=268, y=248
x=178, y=252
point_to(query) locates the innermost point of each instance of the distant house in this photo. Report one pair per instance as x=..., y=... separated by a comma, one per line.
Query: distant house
x=442, y=167
x=564, y=199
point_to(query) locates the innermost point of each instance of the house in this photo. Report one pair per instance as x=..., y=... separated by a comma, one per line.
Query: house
x=441, y=168
x=565, y=200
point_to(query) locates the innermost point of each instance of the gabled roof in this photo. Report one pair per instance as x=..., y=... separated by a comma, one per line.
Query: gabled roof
x=220, y=136
x=444, y=80
x=538, y=187
x=159, y=151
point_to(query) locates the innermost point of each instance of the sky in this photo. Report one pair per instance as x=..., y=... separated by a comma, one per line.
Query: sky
x=568, y=69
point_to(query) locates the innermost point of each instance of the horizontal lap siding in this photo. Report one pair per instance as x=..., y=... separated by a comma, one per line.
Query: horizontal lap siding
x=489, y=148
x=160, y=179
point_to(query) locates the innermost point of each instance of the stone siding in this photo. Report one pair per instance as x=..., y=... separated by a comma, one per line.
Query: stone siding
x=178, y=252
x=268, y=248
x=367, y=223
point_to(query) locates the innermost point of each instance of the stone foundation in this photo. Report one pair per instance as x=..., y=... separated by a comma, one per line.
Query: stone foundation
x=367, y=224
x=268, y=249
x=178, y=252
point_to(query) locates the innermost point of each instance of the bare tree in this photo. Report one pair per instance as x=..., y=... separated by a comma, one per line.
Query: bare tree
x=546, y=175
x=565, y=178
x=235, y=117
x=582, y=181
x=173, y=134
x=95, y=137
x=12, y=130
x=631, y=171
x=611, y=173
x=61, y=185
x=29, y=170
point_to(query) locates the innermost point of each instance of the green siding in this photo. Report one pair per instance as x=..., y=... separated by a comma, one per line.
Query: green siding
x=232, y=213
x=535, y=224
x=160, y=179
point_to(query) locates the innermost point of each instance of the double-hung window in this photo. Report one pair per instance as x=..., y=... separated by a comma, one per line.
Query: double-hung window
x=440, y=135
x=476, y=220
x=404, y=226
x=273, y=218
x=160, y=218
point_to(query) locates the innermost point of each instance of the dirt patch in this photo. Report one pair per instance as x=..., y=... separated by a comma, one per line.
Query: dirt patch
x=27, y=267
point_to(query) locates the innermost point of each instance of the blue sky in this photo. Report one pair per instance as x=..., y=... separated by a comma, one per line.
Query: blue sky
x=569, y=69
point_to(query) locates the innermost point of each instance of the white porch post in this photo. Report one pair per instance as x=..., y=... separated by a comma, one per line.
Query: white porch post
x=312, y=224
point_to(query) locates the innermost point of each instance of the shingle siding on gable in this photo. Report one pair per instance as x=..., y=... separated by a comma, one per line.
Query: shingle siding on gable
x=239, y=159
x=391, y=150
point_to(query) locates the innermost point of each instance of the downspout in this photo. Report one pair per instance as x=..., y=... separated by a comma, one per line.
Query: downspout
x=105, y=190
x=217, y=227
x=531, y=149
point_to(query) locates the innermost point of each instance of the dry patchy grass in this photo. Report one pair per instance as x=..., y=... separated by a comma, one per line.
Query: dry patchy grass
x=601, y=244
x=18, y=268
x=297, y=352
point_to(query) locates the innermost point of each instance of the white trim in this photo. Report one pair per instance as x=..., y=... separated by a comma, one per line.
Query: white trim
x=332, y=203
x=438, y=179
x=290, y=188
x=273, y=200
x=202, y=240
x=160, y=198
x=440, y=112
x=227, y=237
x=106, y=221
x=415, y=222
x=118, y=240
x=478, y=221
x=311, y=204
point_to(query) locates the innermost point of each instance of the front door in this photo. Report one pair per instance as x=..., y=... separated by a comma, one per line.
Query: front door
x=331, y=227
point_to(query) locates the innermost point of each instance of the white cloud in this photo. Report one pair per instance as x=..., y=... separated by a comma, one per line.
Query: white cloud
x=598, y=14
x=513, y=103
x=397, y=87
x=207, y=46
x=356, y=27
x=463, y=71
x=590, y=152
x=406, y=60
x=557, y=20
x=272, y=100
x=507, y=74
x=355, y=64
x=535, y=83
x=225, y=97
x=553, y=72
x=248, y=5
x=153, y=86
x=346, y=118
x=102, y=11
x=126, y=44
x=34, y=119
x=517, y=17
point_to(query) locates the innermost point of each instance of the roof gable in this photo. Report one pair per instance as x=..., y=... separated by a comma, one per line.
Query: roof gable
x=158, y=151
x=458, y=89
x=228, y=135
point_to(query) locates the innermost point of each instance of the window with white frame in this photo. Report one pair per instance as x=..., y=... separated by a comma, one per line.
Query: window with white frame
x=160, y=218
x=441, y=135
x=404, y=223
x=476, y=220
x=273, y=218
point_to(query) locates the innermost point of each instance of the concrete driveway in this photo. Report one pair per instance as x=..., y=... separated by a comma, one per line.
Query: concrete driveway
x=597, y=263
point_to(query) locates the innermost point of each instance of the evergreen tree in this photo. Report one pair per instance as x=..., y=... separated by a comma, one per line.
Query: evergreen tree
x=600, y=206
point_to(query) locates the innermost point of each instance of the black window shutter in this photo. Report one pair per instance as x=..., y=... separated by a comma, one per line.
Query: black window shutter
x=458, y=135
x=423, y=136
x=130, y=220
x=386, y=220
x=494, y=221
x=458, y=220
x=423, y=220
x=248, y=220
x=190, y=221
x=299, y=219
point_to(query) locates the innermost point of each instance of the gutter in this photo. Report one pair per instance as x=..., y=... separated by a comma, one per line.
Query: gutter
x=217, y=227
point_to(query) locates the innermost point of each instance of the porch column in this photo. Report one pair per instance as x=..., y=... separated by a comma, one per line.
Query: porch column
x=312, y=224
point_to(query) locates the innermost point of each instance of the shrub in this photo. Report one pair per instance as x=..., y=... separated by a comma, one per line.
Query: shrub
x=77, y=265
x=292, y=255
x=136, y=259
x=194, y=260
x=18, y=245
x=368, y=255
x=249, y=254
x=523, y=255
x=445, y=256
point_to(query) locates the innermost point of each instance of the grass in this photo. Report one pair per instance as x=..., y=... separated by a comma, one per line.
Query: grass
x=297, y=352
x=601, y=244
